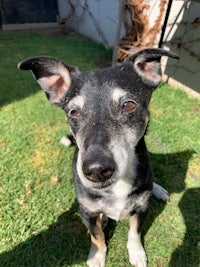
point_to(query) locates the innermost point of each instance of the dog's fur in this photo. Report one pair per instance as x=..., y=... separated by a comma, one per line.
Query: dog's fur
x=108, y=115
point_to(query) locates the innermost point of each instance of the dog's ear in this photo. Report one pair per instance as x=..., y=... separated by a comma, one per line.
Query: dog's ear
x=146, y=63
x=53, y=76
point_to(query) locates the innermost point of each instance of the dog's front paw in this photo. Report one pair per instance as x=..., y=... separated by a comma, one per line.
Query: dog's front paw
x=160, y=193
x=138, y=259
x=137, y=255
x=96, y=258
x=96, y=261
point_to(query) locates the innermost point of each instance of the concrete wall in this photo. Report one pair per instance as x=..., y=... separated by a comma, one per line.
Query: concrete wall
x=183, y=37
x=97, y=19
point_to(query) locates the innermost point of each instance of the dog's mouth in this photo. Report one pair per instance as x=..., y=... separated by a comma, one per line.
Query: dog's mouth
x=101, y=184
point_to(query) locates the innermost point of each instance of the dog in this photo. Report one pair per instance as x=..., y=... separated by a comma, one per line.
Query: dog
x=108, y=116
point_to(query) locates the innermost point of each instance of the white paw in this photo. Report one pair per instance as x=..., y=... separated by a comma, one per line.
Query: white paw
x=138, y=258
x=96, y=261
x=137, y=255
x=96, y=258
x=160, y=193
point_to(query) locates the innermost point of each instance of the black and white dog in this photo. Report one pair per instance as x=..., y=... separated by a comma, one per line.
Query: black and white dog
x=108, y=115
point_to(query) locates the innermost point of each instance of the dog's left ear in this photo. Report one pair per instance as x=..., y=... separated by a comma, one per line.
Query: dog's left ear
x=146, y=63
x=53, y=76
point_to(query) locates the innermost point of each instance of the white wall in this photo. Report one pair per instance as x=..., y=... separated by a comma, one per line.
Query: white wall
x=183, y=37
x=97, y=19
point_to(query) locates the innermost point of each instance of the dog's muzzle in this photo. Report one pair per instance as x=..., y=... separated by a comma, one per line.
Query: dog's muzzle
x=98, y=168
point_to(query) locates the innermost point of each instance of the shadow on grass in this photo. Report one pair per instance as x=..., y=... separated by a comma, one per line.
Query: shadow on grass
x=66, y=242
x=170, y=171
x=16, y=93
x=188, y=254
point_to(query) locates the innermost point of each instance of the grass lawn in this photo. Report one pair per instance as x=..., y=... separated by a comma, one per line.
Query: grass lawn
x=40, y=225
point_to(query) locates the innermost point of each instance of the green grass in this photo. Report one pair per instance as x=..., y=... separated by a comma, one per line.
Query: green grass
x=39, y=216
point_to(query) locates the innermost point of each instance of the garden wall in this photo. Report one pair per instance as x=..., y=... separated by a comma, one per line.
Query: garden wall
x=96, y=19
x=183, y=37
x=111, y=23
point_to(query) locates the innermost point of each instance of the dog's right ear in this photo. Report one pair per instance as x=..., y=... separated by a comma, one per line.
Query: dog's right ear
x=53, y=76
x=147, y=65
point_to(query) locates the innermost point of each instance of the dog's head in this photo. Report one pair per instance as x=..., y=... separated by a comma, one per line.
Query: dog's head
x=107, y=110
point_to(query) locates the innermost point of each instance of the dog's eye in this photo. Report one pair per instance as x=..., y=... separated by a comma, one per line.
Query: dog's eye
x=74, y=113
x=128, y=106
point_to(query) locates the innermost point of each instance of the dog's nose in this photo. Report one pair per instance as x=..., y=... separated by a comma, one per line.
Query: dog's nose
x=98, y=170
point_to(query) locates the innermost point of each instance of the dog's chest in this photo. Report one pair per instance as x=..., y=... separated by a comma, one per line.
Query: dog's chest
x=114, y=202
x=116, y=206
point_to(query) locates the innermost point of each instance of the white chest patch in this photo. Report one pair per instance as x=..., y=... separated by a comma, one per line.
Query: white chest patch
x=113, y=203
x=118, y=210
